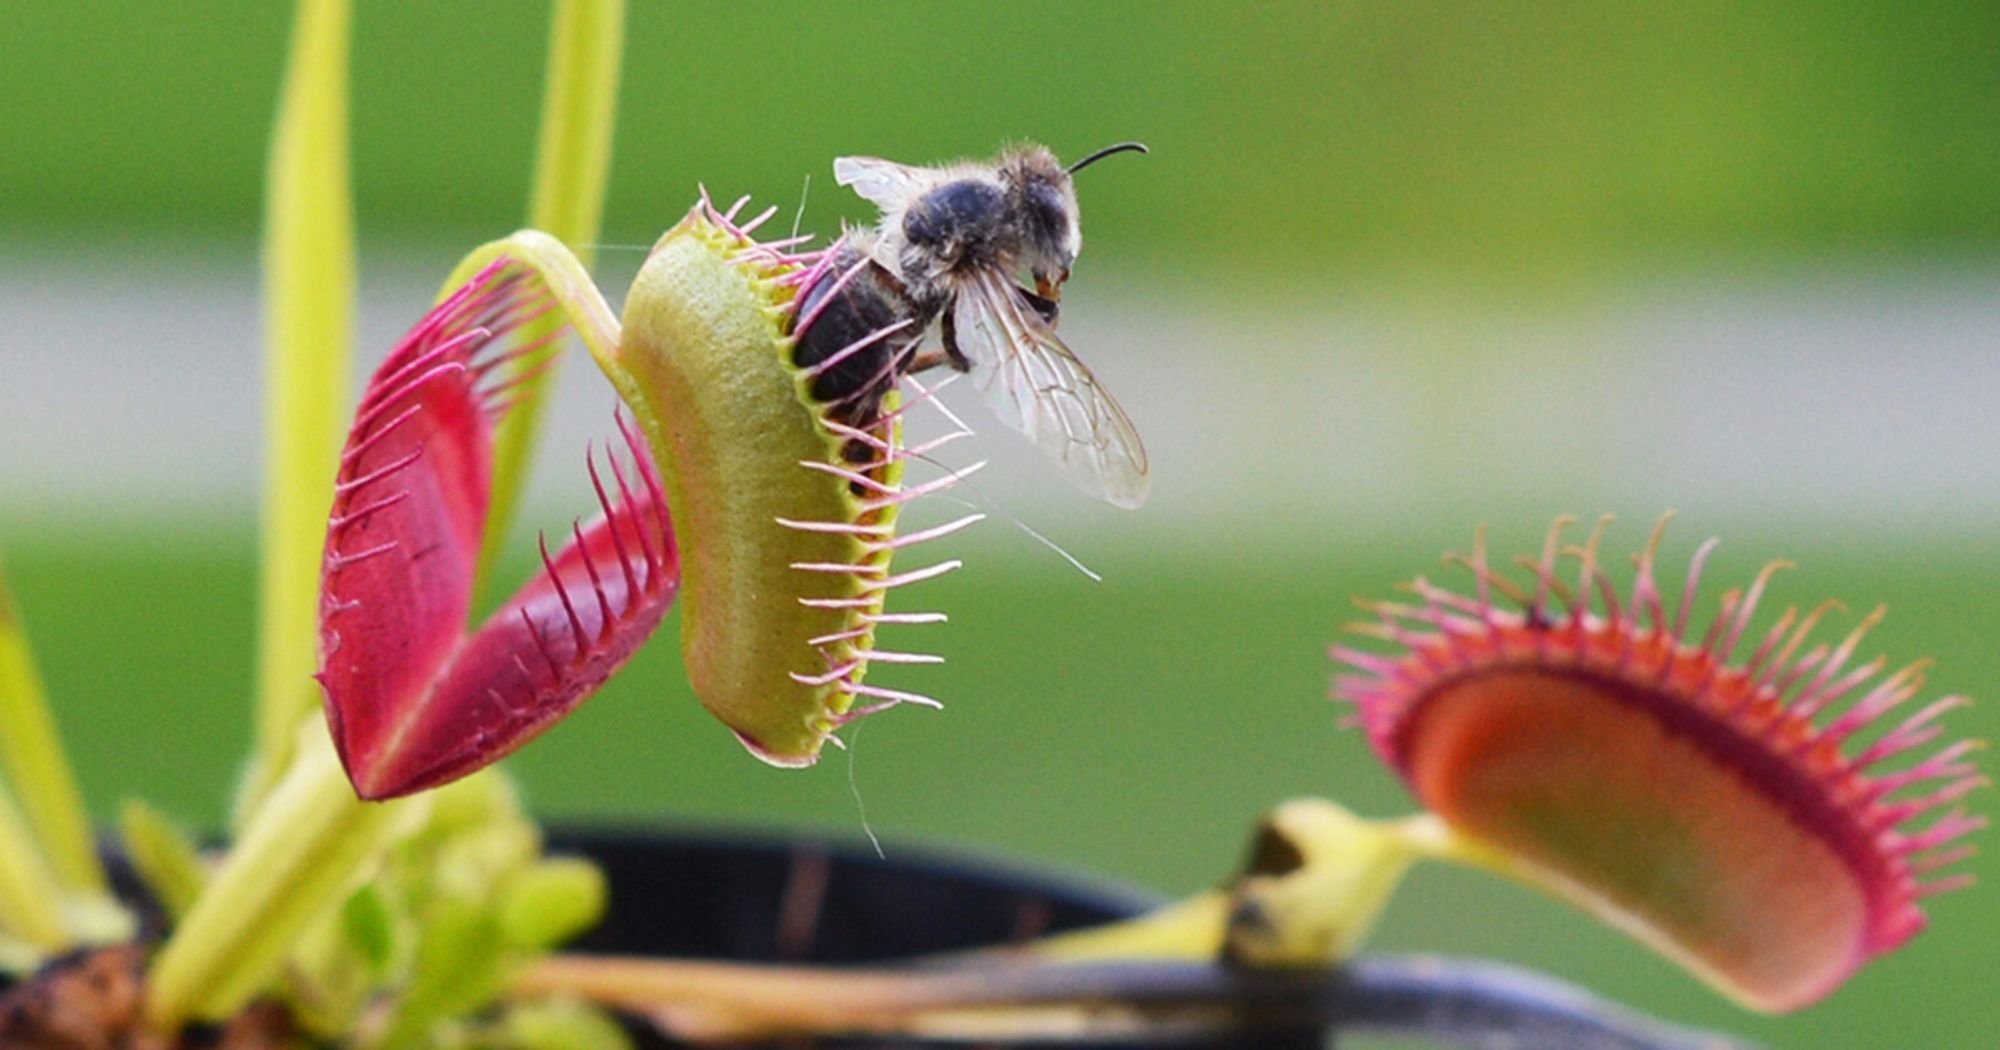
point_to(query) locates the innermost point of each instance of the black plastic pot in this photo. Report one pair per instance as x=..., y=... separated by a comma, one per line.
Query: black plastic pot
x=728, y=896
x=725, y=896
x=737, y=898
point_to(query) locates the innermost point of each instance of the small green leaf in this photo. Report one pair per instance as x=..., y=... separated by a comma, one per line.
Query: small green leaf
x=373, y=928
x=458, y=969
x=165, y=858
x=556, y=1024
x=550, y=902
x=337, y=967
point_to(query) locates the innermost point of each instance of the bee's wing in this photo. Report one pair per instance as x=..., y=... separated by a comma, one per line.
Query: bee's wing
x=883, y=183
x=1035, y=385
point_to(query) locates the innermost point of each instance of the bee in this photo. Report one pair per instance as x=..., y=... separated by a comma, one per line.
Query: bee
x=953, y=246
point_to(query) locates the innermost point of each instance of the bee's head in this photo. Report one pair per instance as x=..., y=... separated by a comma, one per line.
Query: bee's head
x=1046, y=198
x=1044, y=210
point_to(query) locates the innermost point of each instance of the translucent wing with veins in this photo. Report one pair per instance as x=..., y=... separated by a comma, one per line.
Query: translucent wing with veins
x=1033, y=383
x=883, y=183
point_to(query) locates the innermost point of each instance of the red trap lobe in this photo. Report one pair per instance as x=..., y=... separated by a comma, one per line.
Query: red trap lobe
x=414, y=699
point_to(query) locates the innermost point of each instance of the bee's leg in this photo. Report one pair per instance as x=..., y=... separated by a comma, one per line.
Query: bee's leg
x=951, y=356
x=1043, y=305
x=924, y=361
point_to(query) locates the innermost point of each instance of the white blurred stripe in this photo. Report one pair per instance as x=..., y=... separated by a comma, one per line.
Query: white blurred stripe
x=131, y=386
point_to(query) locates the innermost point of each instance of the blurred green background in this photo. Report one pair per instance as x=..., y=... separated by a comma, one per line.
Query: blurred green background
x=1392, y=270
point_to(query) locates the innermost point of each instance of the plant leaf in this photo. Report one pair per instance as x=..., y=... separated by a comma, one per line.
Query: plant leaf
x=30, y=902
x=33, y=760
x=309, y=310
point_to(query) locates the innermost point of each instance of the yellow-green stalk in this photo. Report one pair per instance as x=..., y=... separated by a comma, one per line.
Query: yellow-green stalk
x=309, y=308
x=572, y=168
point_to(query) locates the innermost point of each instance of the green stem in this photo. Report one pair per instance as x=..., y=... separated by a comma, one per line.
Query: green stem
x=33, y=760
x=309, y=293
x=1322, y=879
x=572, y=166
x=303, y=852
x=1430, y=838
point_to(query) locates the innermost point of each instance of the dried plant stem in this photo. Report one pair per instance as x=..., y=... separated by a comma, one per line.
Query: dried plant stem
x=1144, y=1002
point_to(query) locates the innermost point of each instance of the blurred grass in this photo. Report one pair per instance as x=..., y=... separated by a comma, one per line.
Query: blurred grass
x=1134, y=728
x=1506, y=142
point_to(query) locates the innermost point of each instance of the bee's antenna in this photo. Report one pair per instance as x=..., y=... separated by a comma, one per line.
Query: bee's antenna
x=1123, y=147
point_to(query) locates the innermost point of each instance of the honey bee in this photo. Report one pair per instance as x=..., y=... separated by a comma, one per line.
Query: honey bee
x=949, y=248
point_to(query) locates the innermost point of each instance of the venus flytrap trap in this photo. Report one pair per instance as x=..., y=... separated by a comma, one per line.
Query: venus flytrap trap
x=785, y=500
x=413, y=699
x=1764, y=823
x=1771, y=824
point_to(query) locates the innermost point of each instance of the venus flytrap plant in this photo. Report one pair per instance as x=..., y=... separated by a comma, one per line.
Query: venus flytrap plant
x=308, y=257
x=785, y=502
x=32, y=759
x=1770, y=824
x=1580, y=742
x=163, y=856
x=30, y=901
x=307, y=847
x=30, y=898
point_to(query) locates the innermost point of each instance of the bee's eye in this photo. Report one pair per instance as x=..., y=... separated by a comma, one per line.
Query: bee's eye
x=1046, y=210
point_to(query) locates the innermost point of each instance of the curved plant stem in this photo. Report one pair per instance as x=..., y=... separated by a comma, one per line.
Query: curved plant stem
x=1313, y=909
x=572, y=166
x=580, y=103
x=1144, y=1003
x=309, y=293
x=1190, y=929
